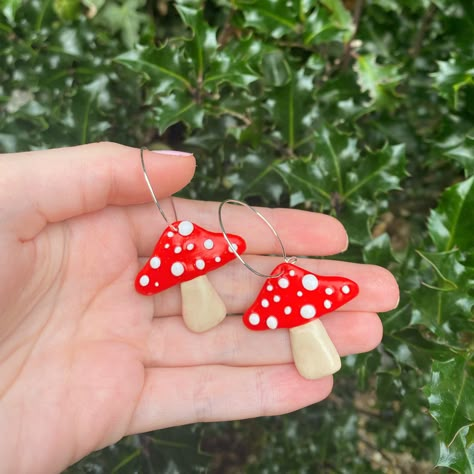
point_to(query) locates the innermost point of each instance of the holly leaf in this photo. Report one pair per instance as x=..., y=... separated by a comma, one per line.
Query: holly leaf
x=443, y=297
x=340, y=178
x=459, y=455
x=329, y=22
x=452, y=76
x=67, y=10
x=124, y=18
x=379, y=251
x=272, y=17
x=9, y=9
x=450, y=224
x=450, y=396
x=409, y=347
x=178, y=106
x=202, y=45
x=379, y=81
x=463, y=153
x=163, y=66
x=233, y=65
x=291, y=107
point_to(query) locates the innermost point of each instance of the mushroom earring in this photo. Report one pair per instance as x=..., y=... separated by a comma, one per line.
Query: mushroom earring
x=294, y=298
x=183, y=255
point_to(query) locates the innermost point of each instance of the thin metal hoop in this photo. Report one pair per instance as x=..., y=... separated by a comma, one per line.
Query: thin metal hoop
x=150, y=187
x=234, y=251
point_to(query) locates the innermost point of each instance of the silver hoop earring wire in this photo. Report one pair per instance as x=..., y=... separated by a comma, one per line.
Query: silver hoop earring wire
x=263, y=218
x=150, y=187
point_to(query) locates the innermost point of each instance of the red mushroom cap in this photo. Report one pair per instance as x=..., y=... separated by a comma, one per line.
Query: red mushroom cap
x=182, y=255
x=297, y=297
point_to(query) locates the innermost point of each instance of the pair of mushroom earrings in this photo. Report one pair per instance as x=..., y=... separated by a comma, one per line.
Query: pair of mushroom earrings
x=291, y=298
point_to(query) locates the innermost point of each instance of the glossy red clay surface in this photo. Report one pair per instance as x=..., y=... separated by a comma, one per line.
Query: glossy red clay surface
x=183, y=254
x=297, y=297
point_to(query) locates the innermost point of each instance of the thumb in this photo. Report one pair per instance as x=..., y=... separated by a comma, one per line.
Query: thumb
x=53, y=185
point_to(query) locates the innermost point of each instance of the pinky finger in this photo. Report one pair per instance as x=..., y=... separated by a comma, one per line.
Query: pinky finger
x=178, y=396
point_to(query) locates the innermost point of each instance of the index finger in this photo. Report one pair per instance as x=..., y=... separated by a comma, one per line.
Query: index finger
x=302, y=232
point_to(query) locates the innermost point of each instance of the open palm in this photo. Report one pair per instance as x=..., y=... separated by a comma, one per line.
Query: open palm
x=85, y=360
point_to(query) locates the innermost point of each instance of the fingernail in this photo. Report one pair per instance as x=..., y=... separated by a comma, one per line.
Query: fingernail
x=171, y=152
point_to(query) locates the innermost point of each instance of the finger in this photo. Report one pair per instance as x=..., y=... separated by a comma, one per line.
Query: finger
x=238, y=287
x=302, y=232
x=179, y=396
x=231, y=343
x=53, y=185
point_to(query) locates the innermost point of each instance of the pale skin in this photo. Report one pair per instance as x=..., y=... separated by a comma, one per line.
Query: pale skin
x=85, y=360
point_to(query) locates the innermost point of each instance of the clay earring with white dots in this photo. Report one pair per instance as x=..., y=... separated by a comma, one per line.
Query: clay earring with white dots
x=294, y=298
x=183, y=255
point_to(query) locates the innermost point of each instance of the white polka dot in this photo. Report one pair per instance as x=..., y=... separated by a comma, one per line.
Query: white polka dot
x=167, y=246
x=265, y=303
x=144, y=280
x=329, y=291
x=299, y=293
x=345, y=289
x=276, y=299
x=254, y=319
x=283, y=283
x=272, y=322
x=327, y=304
x=310, y=282
x=170, y=234
x=218, y=259
x=269, y=288
x=208, y=244
x=234, y=246
x=177, y=269
x=185, y=228
x=155, y=262
x=178, y=249
x=190, y=246
x=156, y=283
x=292, y=273
x=308, y=311
x=200, y=264
x=287, y=310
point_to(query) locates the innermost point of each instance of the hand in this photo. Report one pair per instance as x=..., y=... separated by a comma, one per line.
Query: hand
x=85, y=360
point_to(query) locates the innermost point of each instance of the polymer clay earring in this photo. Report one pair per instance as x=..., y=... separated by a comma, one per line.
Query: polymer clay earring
x=294, y=298
x=183, y=255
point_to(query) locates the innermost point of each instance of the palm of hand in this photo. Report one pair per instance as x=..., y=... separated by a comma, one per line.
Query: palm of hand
x=81, y=357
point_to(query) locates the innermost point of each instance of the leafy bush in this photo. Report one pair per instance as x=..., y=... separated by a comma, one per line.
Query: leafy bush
x=363, y=110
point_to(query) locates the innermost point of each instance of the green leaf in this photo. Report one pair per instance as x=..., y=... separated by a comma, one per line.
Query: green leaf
x=124, y=18
x=444, y=298
x=459, y=455
x=164, y=66
x=333, y=23
x=269, y=16
x=291, y=106
x=450, y=224
x=450, y=396
x=9, y=9
x=67, y=10
x=203, y=43
x=452, y=76
x=379, y=251
x=409, y=347
x=379, y=81
x=232, y=65
x=276, y=70
x=178, y=107
x=464, y=154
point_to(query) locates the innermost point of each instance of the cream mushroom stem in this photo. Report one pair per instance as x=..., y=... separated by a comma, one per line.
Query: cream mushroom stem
x=202, y=306
x=314, y=353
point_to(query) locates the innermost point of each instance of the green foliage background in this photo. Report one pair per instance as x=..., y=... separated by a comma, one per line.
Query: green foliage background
x=360, y=109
